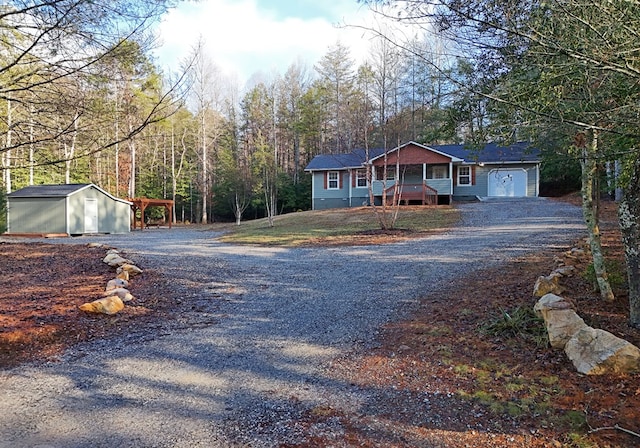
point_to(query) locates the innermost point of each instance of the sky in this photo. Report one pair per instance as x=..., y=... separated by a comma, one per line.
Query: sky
x=247, y=37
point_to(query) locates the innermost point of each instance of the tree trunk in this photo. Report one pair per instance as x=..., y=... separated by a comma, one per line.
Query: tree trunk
x=239, y=206
x=589, y=211
x=69, y=150
x=270, y=197
x=296, y=158
x=7, y=154
x=629, y=216
x=174, y=181
x=205, y=180
x=132, y=151
x=31, y=145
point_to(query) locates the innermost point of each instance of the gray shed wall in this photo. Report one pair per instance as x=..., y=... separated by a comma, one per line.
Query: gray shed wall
x=36, y=215
x=49, y=215
x=113, y=216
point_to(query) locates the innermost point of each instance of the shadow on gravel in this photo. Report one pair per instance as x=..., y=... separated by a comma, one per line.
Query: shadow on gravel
x=256, y=326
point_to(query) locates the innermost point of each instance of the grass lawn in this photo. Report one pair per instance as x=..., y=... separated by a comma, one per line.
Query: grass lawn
x=341, y=226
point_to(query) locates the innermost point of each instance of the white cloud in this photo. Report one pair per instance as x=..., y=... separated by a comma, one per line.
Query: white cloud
x=243, y=38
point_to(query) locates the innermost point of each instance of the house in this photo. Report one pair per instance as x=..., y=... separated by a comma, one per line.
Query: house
x=71, y=209
x=433, y=174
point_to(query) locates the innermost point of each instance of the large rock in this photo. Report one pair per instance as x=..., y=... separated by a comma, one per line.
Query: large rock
x=548, y=285
x=597, y=352
x=123, y=293
x=560, y=318
x=106, y=305
x=115, y=260
x=564, y=271
x=116, y=283
x=132, y=269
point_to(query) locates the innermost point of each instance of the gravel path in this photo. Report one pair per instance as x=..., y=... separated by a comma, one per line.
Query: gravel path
x=281, y=315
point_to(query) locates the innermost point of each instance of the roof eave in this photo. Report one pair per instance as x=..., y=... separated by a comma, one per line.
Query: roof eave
x=509, y=162
x=342, y=168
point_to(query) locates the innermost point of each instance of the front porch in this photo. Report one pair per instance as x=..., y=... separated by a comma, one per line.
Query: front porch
x=410, y=193
x=413, y=189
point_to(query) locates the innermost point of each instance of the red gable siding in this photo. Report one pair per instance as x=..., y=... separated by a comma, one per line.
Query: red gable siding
x=413, y=155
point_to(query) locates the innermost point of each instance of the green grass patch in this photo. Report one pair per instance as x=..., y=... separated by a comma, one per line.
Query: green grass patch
x=338, y=226
x=520, y=322
x=616, y=274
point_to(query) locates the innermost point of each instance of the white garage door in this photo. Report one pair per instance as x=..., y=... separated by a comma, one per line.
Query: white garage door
x=505, y=182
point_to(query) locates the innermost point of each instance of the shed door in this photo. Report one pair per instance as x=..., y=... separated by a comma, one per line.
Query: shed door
x=507, y=182
x=90, y=215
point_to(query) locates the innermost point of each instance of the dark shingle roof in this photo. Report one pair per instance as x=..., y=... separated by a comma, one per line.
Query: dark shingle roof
x=47, y=191
x=336, y=161
x=491, y=153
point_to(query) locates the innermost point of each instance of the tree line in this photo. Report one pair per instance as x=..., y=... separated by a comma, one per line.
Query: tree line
x=81, y=100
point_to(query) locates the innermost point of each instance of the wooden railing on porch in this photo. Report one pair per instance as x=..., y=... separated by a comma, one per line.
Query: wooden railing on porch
x=413, y=192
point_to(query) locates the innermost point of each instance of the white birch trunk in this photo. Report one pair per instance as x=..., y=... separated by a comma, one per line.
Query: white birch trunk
x=69, y=150
x=629, y=217
x=7, y=154
x=31, y=146
x=589, y=173
x=132, y=149
x=205, y=186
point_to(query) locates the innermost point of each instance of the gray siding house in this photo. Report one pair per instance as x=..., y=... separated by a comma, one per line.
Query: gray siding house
x=72, y=209
x=415, y=173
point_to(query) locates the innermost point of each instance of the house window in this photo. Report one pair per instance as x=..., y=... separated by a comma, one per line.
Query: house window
x=464, y=175
x=391, y=173
x=437, y=172
x=332, y=180
x=361, y=178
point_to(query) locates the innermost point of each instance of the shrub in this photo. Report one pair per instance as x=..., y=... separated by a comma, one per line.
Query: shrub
x=615, y=273
x=521, y=322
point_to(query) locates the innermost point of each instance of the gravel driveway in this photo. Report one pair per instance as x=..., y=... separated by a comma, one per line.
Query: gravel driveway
x=281, y=315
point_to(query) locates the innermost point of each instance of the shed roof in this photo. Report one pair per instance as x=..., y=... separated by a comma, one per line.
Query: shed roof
x=57, y=191
x=47, y=191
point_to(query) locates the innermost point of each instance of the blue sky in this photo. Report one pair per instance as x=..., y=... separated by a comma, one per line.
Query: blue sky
x=246, y=37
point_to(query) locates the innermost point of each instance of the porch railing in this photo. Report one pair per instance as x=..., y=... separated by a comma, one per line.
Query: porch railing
x=412, y=192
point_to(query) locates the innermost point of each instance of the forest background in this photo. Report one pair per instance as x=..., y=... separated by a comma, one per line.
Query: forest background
x=81, y=100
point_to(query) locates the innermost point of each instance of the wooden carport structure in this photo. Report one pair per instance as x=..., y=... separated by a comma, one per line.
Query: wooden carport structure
x=142, y=204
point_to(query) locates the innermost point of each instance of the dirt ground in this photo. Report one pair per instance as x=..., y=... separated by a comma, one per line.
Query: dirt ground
x=478, y=389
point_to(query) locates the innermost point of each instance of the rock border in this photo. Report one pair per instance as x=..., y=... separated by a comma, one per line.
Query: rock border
x=116, y=292
x=592, y=351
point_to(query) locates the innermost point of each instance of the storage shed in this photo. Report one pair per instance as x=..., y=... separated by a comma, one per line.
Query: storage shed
x=71, y=209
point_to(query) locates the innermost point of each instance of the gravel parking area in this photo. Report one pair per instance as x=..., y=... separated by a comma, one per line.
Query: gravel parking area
x=254, y=363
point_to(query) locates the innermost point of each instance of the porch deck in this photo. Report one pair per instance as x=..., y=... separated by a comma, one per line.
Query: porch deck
x=412, y=192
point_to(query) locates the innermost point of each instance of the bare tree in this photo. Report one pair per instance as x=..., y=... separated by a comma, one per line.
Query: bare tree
x=43, y=44
x=336, y=75
x=208, y=93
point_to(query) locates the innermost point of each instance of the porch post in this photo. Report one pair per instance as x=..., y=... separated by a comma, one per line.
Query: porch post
x=313, y=190
x=450, y=182
x=350, y=173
